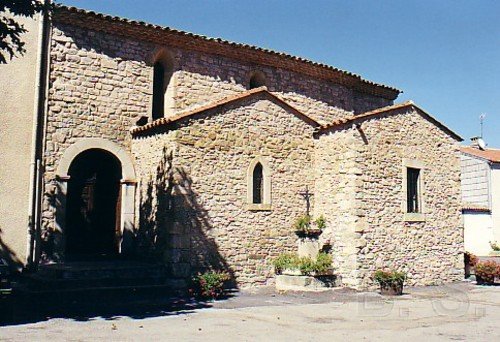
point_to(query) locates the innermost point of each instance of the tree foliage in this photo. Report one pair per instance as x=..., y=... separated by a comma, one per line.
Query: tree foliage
x=11, y=30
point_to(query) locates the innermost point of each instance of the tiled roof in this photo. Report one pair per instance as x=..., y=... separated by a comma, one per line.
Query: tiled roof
x=490, y=154
x=387, y=110
x=225, y=101
x=160, y=34
x=475, y=208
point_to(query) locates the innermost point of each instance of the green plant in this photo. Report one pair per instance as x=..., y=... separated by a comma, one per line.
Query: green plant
x=320, y=222
x=323, y=262
x=486, y=271
x=495, y=246
x=210, y=284
x=286, y=261
x=389, y=277
x=305, y=265
x=302, y=223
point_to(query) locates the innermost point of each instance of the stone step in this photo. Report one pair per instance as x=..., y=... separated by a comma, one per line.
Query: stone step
x=100, y=270
x=94, y=275
x=39, y=283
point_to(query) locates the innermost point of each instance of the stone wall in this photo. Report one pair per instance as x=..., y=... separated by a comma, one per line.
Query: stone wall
x=206, y=188
x=98, y=88
x=430, y=251
x=337, y=179
x=101, y=84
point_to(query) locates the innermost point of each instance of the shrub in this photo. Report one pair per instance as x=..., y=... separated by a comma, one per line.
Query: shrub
x=305, y=265
x=210, y=284
x=302, y=223
x=286, y=261
x=320, y=222
x=495, y=246
x=471, y=258
x=388, y=277
x=486, y=271
x=323, y=262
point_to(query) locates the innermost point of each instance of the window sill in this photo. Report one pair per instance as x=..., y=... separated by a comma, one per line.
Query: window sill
x=258, y=207
x=414, y=217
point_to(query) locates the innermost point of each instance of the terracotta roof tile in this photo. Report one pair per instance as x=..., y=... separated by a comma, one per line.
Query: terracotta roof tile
x=388, y=109
x=475, y=208
x=490, y=154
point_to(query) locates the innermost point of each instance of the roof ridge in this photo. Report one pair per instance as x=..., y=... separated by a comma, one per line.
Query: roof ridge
x=214, y=104
x=344, y=73
x=382, y=110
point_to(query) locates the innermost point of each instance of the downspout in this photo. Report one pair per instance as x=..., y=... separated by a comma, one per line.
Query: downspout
x=36, y=170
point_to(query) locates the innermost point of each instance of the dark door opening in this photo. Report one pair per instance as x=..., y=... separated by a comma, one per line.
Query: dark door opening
x=93, y=208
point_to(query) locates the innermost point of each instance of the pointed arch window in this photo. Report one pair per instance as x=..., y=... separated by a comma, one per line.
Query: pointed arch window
x=259, y=185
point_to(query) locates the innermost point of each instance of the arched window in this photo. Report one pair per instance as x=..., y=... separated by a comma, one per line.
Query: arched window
x=158, y=91
x=259, y=185
x=162, y=85
x=258, y=79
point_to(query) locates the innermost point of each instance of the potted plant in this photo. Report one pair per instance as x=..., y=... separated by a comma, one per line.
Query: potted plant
x=210, y=284
x=486, y=272
x=391, y=282
x=470, y=261
x=305, y=227
x=292, y=264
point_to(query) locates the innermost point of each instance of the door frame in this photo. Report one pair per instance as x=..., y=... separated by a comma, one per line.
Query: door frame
x=127, y=190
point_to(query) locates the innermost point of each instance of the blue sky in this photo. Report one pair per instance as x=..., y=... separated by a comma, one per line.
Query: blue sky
x=444, y=55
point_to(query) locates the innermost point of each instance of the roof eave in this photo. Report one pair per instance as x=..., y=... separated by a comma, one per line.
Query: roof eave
x=157, y=34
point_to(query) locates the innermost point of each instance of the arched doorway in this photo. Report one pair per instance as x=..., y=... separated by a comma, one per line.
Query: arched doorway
x=93, y=205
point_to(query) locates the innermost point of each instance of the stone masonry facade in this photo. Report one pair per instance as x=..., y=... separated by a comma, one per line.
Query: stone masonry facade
x=360, y=173
x=191, y=209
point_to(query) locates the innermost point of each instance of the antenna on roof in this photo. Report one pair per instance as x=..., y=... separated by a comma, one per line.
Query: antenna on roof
x=481, y=121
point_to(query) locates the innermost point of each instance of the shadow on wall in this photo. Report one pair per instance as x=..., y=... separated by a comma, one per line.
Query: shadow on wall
x=8, y=256
x=174, y=227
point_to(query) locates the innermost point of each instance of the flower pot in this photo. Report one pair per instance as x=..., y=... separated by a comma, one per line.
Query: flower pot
x=310, y=233
x=484, y=281
x=391, y=289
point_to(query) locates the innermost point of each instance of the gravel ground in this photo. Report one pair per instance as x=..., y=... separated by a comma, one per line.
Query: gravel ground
x=456, y=312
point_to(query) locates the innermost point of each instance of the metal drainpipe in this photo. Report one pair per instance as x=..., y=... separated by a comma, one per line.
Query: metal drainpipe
x=37, y=141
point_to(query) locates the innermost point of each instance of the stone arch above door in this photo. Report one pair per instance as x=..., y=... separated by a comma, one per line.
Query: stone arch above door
x=83, y=144
x=128, y=188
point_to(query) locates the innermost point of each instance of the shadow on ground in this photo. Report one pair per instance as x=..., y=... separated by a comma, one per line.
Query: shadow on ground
x=15, y=310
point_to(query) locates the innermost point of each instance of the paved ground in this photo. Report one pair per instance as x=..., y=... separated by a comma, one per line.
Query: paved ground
x=456, y=312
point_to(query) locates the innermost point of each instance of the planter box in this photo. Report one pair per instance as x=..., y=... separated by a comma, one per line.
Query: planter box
x=285, y=282
x=311, y=233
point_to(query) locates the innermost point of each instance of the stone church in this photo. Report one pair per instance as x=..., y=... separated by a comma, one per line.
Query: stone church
x=154, y=144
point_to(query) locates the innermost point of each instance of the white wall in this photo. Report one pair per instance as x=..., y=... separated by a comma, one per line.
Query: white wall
x=17, y=100
x=495, y=200
x=478, y=232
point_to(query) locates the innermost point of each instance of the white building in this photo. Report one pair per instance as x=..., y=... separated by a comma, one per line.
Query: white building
x=480, y=197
